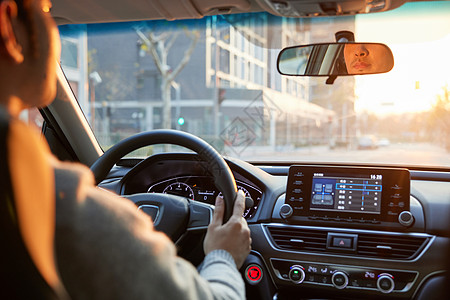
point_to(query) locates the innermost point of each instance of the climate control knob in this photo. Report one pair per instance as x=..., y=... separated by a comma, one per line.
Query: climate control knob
x=297, y=274
x=385, y=283
x=339, y=280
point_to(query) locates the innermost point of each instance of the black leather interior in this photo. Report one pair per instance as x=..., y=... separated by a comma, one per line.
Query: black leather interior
x=19, y=276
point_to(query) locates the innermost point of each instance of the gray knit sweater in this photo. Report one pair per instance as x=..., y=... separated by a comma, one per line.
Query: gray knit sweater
x=106, y=249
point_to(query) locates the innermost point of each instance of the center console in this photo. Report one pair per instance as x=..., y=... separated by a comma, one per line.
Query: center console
x=354, y=229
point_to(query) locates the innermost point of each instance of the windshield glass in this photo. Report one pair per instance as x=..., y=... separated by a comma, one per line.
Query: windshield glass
x=217, y=78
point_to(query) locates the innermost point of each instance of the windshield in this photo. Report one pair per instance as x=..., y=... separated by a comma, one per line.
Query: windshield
x=217, y=78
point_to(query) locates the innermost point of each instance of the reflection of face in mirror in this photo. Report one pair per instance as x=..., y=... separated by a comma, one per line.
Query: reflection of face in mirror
x=367, y=58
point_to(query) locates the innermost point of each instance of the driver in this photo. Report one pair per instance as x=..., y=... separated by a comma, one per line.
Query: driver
x=105, y=248
x=366, y=58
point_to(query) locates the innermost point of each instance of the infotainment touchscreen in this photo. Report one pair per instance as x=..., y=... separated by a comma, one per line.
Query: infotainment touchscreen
x=348, y=193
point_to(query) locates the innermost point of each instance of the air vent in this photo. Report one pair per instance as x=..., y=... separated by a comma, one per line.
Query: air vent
x=299, y=239
x=389, y=246
x=383, y=246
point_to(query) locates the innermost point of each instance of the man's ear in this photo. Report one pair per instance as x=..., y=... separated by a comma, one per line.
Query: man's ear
x=8, y=40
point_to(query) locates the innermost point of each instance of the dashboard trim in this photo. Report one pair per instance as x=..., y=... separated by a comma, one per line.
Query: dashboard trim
x=404, y=290
x=424, y=279
x=344, y=230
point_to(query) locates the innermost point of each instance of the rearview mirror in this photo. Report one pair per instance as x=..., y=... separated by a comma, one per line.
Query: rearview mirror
x=337, y=59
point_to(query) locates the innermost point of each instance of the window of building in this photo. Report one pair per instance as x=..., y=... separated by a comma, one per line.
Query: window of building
x=69, y=57
x=224, y=64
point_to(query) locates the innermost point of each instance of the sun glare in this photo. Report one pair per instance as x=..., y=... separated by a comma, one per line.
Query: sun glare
x=421, y=70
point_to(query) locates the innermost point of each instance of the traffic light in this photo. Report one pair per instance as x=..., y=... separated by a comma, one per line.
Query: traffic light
x=180, y=121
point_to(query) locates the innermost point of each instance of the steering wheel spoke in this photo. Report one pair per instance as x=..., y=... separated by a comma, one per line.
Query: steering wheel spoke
x=200, y=215
x=170, y=213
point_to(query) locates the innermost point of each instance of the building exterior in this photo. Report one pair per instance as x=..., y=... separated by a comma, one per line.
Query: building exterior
x=229, y=83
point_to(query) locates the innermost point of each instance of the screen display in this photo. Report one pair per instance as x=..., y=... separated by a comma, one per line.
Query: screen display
x=346, y=194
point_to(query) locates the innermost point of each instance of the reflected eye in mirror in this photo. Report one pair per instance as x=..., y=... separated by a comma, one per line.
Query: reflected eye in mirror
x=337, y=59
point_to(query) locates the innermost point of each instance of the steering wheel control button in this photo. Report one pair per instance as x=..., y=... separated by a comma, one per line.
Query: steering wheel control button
x=297, y=274
x=385, y=283
x=406, y=218
x=253, y=274
x=339, y=280
x=151, y=210
x=286, y=211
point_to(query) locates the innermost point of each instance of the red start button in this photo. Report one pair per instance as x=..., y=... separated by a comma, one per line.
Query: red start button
x=253, y=274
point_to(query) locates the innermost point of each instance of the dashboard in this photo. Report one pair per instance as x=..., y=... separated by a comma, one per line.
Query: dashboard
x=202, y=189
x=328, y=231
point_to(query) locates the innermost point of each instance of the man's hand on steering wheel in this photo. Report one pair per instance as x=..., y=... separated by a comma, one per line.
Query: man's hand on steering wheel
x=234, y=235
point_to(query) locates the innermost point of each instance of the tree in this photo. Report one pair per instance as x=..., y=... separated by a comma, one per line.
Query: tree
x=158, y=46
x=440, y=118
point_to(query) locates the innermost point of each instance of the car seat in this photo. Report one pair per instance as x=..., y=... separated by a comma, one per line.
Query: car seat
x=27, y=215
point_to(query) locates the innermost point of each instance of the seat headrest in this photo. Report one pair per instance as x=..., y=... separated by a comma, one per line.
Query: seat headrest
x=28, y=174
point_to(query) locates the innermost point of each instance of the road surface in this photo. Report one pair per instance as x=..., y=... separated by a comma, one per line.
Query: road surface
x=401, y=154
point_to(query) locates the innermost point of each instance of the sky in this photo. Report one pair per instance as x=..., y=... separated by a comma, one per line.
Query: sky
x=421, y=48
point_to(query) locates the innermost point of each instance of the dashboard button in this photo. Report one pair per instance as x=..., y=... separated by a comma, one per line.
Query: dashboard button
x=312, y=269
x=342, y=242
x=296, y=199
x=339, y=280
x=385, y=283
x=355, y=283
x=370, y=284
x=296, y=274
x=253, y=274
x=286, y=211
x=324, y=279
x=396, y=187
x=406, y=218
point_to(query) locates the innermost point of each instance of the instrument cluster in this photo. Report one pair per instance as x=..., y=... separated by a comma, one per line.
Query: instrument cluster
x=202, y=189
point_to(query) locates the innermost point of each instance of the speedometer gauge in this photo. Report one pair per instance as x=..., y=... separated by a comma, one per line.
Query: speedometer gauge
x=247, y=194
x=179, y=189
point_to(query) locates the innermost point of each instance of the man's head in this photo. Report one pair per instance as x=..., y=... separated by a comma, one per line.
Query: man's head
x=29, y=52
x=366, y=58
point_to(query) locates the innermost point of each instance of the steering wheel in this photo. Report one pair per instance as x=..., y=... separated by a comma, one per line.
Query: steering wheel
x=173, y=214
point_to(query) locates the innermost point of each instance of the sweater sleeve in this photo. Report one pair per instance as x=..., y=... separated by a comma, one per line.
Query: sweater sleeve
x=219, y=269
x=107, y=249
